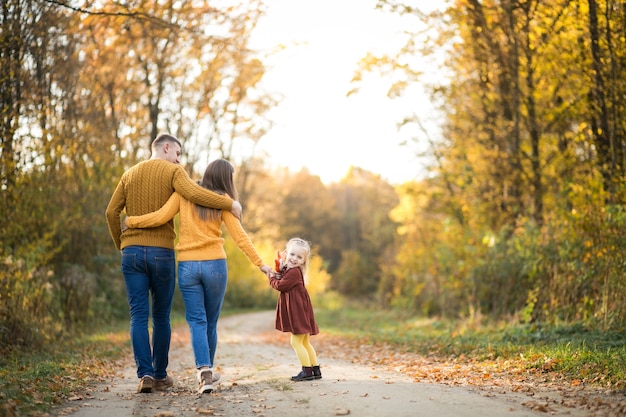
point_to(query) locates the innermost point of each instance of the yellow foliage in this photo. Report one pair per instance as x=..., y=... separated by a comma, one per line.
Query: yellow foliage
x=318, y=277
x=240, y=269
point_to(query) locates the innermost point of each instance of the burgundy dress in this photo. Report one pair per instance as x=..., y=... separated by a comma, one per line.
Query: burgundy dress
x=294, y=311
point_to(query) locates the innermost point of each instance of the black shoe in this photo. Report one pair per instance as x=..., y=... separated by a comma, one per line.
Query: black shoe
x=317, y=374
x=306, y=374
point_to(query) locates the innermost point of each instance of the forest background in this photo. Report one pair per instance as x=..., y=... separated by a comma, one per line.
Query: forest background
x=519, y=218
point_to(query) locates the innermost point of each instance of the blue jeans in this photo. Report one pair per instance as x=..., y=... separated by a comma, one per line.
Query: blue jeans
x=150, y=272
x=203, y=286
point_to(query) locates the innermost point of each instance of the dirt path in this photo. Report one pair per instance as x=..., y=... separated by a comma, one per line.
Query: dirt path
x=255, y=382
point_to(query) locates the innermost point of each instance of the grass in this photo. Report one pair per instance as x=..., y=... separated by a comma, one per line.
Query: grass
x=576, y=352
x=33, y=381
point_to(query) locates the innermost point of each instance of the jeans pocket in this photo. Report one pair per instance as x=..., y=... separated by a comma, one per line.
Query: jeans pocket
x=164, y=267
x=129, y=262
x=188, y=273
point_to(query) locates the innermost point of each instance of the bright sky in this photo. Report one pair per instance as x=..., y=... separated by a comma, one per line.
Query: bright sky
x=316, y=125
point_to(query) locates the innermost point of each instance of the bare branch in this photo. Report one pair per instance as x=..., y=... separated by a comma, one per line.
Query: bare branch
x=140, y=15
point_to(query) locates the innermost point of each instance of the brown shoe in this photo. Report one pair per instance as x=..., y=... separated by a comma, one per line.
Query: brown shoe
x=146, y=384
x=163, y=384
x=206, y=382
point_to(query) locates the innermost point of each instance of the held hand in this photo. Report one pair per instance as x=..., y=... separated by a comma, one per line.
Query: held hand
x=267, y=271
x=236, y=209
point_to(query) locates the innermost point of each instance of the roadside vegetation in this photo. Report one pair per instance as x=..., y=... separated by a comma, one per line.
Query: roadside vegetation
x=578, y=354
x=33, y=381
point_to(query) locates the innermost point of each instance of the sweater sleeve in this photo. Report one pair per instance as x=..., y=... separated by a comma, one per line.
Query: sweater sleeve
x=195, y=193
x=241, y=238
x=289, y=280
x=113, y=212
x=156, y=218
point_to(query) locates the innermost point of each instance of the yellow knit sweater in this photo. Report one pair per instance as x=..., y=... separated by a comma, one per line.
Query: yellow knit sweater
x=144, y=188
x=198, y=240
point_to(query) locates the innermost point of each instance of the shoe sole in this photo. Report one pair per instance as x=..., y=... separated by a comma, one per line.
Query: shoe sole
x=145, y=386
x=206, y=389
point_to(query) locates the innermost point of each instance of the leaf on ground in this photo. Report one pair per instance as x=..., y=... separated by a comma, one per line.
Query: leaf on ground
x=508, y=375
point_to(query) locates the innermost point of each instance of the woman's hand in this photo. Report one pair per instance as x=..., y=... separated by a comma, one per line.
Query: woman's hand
x=267, y=271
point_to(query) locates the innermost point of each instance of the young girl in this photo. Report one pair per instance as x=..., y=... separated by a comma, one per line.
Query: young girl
x=294, y=311
x=202, y=268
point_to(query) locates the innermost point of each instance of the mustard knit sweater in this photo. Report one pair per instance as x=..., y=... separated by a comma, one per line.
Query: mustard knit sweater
x=198, y=240
x=144, y=188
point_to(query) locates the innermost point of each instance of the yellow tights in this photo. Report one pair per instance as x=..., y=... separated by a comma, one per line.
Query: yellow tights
x=304, y=350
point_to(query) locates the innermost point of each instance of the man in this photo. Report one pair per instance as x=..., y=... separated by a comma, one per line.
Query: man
x=148, y=259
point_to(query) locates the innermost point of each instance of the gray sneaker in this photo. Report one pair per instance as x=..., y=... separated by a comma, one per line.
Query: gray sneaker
x=206, y=382
x=163, y=384
x=146, y=383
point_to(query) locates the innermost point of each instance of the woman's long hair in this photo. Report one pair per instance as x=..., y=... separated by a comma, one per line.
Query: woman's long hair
x=218, y=177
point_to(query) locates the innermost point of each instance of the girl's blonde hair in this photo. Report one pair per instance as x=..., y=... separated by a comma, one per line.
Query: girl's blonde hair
x=296, y=241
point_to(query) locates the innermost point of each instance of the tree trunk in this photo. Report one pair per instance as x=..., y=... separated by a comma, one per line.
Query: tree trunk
x=605, y=149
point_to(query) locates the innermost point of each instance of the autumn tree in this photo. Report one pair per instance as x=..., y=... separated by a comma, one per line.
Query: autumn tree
x=84, y=90
x=365, y=235
x=307, y=208
x=530, y=154
x=607, y=47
